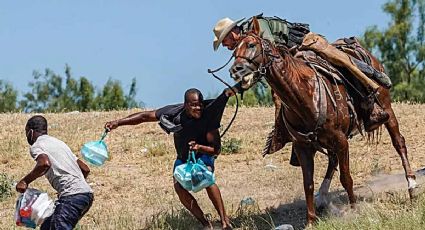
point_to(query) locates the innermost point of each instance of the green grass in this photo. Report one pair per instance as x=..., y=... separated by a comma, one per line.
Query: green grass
x=5, y=186
x=230, y=146
x=398, y=213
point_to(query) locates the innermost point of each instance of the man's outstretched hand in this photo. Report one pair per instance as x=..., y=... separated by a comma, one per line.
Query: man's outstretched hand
x=111, y=125
x=237, y=88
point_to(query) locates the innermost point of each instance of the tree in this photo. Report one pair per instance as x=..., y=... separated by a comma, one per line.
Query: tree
x=130, y=99
x=112, y=96
x=45, y=92
x=401, y=48
x=86, y=95
x=50, y=92
x=8, y=97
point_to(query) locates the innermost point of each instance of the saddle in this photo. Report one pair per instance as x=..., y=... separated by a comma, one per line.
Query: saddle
x=279, y=136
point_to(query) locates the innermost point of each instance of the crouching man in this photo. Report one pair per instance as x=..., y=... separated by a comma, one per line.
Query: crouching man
x=64, y=171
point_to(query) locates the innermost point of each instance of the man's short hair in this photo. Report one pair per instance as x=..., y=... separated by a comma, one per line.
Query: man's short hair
x=193, y=91
x=37, y=123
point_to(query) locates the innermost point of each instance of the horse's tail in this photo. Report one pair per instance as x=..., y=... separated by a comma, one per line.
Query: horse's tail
x=374, y=137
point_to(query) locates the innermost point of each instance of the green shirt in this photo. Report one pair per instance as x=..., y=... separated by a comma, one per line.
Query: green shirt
x=278, y=31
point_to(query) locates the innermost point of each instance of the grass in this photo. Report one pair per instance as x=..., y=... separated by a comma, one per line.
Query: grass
x=230, y=146
x=134, y=190
x=395, y=214
x=5, y=186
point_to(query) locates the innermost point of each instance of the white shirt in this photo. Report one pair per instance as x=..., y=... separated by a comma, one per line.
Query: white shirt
x=64, y=174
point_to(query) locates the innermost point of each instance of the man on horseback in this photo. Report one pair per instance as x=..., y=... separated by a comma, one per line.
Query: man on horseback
x=297, y=36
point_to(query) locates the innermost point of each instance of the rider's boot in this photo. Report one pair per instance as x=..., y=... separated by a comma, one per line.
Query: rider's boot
x=371, y=72
x=376, y=114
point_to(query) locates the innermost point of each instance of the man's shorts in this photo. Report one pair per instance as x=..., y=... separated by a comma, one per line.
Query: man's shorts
x=206, y=158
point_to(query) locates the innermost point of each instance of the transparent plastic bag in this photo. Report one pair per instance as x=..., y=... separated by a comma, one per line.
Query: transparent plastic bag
x=194, y=174
x=32, y=208
x=183, y=175
x=201, y=176
x=96, y=152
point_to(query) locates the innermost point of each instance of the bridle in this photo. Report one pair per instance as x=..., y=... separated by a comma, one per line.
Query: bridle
x=266, y=53
x=261, y=69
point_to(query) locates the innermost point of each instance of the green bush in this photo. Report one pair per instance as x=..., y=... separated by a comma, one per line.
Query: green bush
x=232, y=145
x=5, y=186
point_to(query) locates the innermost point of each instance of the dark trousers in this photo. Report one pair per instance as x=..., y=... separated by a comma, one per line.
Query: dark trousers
x=68, y=211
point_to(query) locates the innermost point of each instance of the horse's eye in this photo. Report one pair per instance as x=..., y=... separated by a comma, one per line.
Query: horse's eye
x=251, y=45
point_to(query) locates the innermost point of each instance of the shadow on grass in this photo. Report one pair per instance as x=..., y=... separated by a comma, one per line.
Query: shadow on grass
x=251, y=217
x=245, y=217
x=179, y=219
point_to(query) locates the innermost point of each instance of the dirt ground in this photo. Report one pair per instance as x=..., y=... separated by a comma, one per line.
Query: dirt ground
x=136, y=184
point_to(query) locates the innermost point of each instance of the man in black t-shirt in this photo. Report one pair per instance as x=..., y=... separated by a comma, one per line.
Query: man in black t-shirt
x=195, y=126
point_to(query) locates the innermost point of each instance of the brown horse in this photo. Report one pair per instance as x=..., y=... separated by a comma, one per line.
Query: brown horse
x=314, y=118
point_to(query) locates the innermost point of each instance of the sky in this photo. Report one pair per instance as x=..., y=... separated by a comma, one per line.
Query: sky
x=165, y=45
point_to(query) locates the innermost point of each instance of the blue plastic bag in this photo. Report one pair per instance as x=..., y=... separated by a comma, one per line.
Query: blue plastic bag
x=96, y=152
x=194, y=174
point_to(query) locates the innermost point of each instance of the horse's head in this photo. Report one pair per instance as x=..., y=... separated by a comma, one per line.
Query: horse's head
x=249, y=65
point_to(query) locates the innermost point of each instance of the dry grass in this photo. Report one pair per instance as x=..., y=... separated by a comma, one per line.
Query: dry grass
x=134, y=189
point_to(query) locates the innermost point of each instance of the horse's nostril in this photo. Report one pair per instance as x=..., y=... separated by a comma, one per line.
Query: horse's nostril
x=239, y=68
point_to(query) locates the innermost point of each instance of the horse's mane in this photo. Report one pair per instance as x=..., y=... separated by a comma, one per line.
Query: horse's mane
x=295, y=67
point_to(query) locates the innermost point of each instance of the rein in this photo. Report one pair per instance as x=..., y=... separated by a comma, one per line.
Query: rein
x=231, y=88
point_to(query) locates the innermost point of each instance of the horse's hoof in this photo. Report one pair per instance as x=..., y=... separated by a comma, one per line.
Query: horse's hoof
x=416, y=191
x=322, y=201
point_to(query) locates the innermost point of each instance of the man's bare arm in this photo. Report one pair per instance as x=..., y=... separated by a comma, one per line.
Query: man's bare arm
x=133, y=119
x=214, y=147
x=43, y=164
x=84, y=168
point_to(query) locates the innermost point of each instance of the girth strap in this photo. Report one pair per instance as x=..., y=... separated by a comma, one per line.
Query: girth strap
x=311, y=137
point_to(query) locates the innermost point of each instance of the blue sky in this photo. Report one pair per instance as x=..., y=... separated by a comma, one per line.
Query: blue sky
x=165, y=45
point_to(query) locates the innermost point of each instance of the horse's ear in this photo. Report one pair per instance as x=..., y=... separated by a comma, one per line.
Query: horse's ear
x=255, y=26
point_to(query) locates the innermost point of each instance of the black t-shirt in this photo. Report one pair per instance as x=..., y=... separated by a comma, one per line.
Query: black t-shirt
x=193, y=129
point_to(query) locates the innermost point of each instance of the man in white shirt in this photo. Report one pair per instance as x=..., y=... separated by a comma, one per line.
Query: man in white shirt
x=64, y=171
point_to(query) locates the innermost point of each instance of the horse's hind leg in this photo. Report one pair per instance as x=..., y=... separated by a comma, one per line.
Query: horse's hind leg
x=305, y=156
x=322, y=198
x=400, y=146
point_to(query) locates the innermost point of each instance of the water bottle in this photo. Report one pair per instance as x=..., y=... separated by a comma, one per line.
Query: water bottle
x=26, y=210
x=197, y=177
x=247, y=201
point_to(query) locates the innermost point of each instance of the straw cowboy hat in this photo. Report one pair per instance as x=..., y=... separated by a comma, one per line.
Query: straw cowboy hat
x=222, y=28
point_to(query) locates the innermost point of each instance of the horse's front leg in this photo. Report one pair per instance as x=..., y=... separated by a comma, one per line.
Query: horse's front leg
x=342, y=152
x=322, y=198
x=305, y=156
x=400, y=146
x=398, y=141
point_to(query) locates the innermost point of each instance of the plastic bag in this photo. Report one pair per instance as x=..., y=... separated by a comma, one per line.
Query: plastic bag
x=194, y=174
x=95, y=152
x=201, y=176
x=32, y=208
